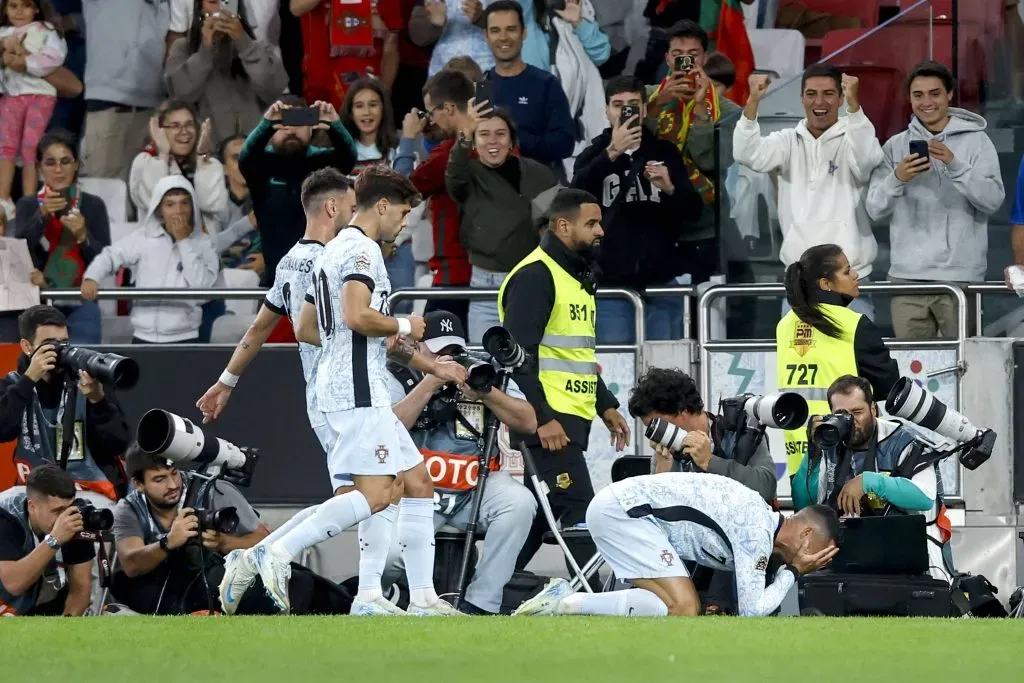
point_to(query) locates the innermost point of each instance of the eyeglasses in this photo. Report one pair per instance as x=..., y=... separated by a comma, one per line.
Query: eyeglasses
x=50, y=162
x=188, y=126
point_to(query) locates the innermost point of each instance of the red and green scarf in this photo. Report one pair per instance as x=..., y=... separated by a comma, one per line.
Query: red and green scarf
x=674, y=123
x=64, y=264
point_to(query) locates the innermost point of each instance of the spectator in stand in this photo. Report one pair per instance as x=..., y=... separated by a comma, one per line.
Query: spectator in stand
x=333, y=60
x=168, y=250
x=65, y=229
x=223, y=70
x=647, y=204
x=533, y=98
x=824, y=165
x=274, y=162
x=495, y=190
x=936, y=235
x=540, y=31
x=238, y=243
x=367, y=115
x=178, y=146
x=261, y=16
x=611, y=17
x=124, y=45
x=445, y=97
x=684, y=109
x=69, y=114
x=31, y=48
x=414, y=58
x=455, y=28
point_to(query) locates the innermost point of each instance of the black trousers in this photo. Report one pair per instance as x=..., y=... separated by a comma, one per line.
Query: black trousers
x=570, y=492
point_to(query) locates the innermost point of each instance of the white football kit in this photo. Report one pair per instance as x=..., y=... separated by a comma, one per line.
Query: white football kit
x=292, y=279
x=352, y=386
x=645, y=526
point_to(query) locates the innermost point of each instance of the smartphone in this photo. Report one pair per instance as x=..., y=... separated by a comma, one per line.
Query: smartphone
x=920, y=148
x=484, y=93
x=300, y=116
x=229, y=6
x=629, y=111
x=684, y=63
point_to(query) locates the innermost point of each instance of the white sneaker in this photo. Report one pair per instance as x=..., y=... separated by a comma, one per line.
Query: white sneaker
x=7, y=206
x=239, y=573
x=546, y=602
x=275, y=574
x=440, y=608
x=377, y=608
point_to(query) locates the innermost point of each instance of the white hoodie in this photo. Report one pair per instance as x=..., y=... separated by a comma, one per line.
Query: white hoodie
x=158, y=261
x=822, y=183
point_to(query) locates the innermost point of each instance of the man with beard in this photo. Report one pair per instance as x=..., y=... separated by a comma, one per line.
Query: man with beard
x=547, y=303
x=32, y=403
x=275, y=160
x=878, y=469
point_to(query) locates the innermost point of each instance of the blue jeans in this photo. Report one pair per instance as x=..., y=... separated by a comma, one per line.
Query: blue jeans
x=212, y=310
x=84, y=326
x=663, y=319
x=483, y=313
x=401, y=267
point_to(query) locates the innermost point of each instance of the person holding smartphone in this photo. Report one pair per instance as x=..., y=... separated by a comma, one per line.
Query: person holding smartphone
x=938, y=184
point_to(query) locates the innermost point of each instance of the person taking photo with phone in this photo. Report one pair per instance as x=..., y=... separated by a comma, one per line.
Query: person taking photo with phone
x=647, y=204
x=938, y=183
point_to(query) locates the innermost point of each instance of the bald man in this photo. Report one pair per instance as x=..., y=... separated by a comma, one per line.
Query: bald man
x=645, y=527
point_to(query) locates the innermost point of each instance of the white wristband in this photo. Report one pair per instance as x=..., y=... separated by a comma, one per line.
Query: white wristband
x=404, y=327
x=228, y=379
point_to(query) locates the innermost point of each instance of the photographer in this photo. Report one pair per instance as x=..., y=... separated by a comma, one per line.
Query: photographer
x=32, y=403
x=710, y=445
x=43, y=571
x=161, y=546
x=873, y=470
x=448, y=425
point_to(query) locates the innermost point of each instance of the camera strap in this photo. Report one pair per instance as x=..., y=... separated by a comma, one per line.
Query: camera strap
x=69, y=407
x=102, y=561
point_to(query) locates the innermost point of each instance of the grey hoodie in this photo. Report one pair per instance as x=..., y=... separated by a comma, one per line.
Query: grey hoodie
x=939, y=220
x=158, y=261
x=124, y=42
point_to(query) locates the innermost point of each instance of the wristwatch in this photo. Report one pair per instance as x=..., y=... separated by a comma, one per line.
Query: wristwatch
x=162, y=540
x=51, y=541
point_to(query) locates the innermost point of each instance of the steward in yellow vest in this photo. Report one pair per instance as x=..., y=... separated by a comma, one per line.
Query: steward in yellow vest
x=821, y=340
x=547, y=303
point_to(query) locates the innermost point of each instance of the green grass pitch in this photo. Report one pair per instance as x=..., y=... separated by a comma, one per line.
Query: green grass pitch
x=517, y=650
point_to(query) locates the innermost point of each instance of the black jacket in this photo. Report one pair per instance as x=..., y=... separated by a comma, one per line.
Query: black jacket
x=642, y=230
x=29, y=224
x=107, y=435
x=874, y=363
x=528, y=299
x=275, y=184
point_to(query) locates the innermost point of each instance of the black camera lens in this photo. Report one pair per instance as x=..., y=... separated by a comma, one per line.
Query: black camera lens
x=94, y=519
x=223, y=521
x=833, y=430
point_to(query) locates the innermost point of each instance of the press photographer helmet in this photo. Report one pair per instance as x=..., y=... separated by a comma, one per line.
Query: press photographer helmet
x=93, y=518
x=180, y=440
x=779, y=411
x=109, y=368
x=912, y=402
x=224, y=520
x=833, y=430
x=503, y=347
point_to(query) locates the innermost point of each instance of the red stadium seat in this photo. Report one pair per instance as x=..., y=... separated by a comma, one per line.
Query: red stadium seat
x=865, y=10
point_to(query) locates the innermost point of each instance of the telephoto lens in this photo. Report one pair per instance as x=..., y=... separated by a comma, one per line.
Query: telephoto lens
x=224, y=520
x=667, y=434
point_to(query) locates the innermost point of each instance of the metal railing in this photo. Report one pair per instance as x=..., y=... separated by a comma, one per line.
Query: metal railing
x=154, y=294
x=708, y=346
x=685, y=291
x=978, y=291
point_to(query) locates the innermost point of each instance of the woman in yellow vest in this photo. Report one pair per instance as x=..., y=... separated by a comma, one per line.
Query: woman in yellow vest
x=820, y=339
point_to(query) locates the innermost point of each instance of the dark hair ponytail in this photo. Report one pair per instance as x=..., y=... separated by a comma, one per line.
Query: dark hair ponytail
x=803, y=292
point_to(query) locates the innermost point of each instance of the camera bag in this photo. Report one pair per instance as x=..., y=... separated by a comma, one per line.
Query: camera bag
x=842, y=595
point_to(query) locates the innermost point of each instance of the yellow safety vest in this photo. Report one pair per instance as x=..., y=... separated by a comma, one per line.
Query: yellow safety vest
x=808, y=362
x=567, y=355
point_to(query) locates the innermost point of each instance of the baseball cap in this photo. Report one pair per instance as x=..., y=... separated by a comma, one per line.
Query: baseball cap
x=443, y=329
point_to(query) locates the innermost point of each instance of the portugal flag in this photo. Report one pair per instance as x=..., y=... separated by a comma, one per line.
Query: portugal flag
x=729, y=36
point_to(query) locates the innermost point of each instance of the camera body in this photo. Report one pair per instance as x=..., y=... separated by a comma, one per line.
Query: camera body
x=224, y=520
x=482, y=373
x=109, y=368
x=833, y=431
x=93, y=518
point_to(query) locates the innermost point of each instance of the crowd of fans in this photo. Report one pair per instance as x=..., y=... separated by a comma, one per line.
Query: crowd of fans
x=183, y=99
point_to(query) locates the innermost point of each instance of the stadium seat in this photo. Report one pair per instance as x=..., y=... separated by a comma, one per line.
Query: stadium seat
x=236, y=278
x=113, y=192
x=865, y=10
x=778, y=50
x=121, y=229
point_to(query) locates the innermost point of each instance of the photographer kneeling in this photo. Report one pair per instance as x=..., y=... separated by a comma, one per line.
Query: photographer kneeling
x=43, y=569
x=710, y=445
x=448, y=424
x=869, y=468
x=32, y=408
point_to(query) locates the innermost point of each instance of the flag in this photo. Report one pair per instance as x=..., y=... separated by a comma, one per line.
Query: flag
x=729, y=37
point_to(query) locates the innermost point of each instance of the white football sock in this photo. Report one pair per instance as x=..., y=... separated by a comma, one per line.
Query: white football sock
x=416, y=536
x=635, y=602
x=330, y=519
x=293, y=522
x=374, y=544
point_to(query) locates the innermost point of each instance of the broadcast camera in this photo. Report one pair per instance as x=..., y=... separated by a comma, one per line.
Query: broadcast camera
x=778, y=411
x=93, y=519
x=182, y=441
x=109, y=368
